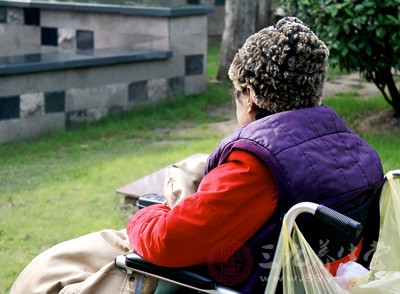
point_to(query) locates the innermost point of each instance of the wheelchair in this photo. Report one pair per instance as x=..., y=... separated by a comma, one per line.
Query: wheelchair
x=344, y=228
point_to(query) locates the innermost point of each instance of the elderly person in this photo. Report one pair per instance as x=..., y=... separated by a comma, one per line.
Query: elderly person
x=289, y=149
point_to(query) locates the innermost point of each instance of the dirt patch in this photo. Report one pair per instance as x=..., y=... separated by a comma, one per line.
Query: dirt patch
x=382, y=121
x=351, y=83
x=225, y=127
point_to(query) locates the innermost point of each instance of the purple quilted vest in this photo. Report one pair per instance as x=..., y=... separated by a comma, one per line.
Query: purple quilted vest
x=313, y=156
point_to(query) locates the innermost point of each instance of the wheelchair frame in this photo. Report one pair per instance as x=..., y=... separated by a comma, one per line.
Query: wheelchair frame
x=190, y=278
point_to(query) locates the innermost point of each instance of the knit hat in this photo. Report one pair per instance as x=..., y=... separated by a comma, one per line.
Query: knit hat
x=285, y=64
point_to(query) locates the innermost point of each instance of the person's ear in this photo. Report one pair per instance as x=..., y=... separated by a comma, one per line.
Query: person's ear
x=251, y=106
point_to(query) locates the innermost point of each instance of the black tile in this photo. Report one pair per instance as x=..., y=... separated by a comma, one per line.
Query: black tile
x=49, y=36
x=137, y=91
x=54, y=101
x=3, y=14
x=84, y=40
x=176, y=86
x=195, y=2
x=219, y=2
x=32, y=16
x=9, y=107
x=194, y=65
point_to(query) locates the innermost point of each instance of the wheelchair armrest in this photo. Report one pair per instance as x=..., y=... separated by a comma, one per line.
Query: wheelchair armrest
x=195, y=277
x=191, y=276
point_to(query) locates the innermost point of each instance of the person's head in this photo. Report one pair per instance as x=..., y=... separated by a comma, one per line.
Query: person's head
x=280, y=68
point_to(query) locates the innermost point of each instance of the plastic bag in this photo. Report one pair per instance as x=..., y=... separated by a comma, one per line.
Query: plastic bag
x=351, y=269
x=347, y=275
x=384, y=275
x=303, y=272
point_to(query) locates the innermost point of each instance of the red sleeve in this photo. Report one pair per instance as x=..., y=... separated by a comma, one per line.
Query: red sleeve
x=233, y=201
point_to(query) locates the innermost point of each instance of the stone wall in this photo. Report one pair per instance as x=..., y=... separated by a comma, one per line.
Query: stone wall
x=215, y=17
x=66, y=64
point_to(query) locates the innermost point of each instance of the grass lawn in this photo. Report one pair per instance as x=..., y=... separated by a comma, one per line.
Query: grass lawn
x=63, y=185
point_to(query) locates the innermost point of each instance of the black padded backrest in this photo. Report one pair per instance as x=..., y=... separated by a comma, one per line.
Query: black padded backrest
x=331, y=244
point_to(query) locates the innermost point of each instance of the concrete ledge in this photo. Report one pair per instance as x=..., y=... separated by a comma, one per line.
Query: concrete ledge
x=152, y=183
x=111, y=8
x=29, y=63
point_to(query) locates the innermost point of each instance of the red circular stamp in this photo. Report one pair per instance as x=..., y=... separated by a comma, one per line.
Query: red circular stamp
x=229, y=263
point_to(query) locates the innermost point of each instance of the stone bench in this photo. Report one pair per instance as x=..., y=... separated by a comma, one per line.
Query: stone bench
x=152, y=183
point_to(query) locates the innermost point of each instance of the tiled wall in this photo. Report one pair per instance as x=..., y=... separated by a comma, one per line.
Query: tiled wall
x=215, y=19
x=19, y=114
x=31, y=29
x=33, y=103
x=178, y=2
x=206, y=2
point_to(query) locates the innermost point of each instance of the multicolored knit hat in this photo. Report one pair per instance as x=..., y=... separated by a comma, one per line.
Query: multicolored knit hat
x=285, y=64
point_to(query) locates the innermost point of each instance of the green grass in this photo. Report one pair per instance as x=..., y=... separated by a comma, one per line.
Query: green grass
x=212, y=65
x=333, y=72
x=63, y=185
x=352, y=108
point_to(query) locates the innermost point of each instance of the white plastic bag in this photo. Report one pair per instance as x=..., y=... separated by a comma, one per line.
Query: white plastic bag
x=303, y=272
x=347, y=274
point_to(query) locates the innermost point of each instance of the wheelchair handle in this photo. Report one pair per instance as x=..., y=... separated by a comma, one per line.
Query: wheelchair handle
x=329, y=215
x=338, y=220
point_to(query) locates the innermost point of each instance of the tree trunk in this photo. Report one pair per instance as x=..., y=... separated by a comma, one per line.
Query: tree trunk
x=383, y=79
x=240, y=23
x=393, y=92
x=264, y=14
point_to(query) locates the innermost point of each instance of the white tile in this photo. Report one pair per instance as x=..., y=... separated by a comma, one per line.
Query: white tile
x=31, y=104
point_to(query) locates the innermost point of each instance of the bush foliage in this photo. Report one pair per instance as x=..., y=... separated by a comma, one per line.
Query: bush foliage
x=362, y=35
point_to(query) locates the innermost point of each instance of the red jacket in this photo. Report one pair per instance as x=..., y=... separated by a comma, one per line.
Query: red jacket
x=233, y=201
